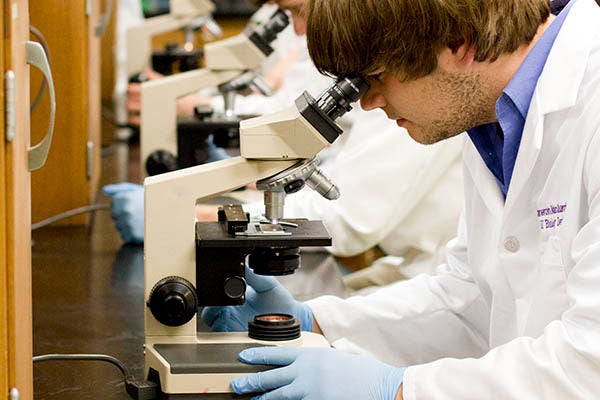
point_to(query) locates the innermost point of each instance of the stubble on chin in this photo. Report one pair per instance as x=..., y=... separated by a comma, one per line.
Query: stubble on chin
x=469, y=106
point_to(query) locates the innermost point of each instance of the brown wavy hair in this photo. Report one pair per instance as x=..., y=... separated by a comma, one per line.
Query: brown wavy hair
x=364, y=37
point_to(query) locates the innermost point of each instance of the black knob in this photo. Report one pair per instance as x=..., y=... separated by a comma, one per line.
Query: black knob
x=138, y=78
x=173, y=301
x=159, y=162
x=234, y=287
x=170, y=47
x=294, y=186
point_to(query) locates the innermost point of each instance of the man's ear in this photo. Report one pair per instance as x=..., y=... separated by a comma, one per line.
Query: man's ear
x=458, y=59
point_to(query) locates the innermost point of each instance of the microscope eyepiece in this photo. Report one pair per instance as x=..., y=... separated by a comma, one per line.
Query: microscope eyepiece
x=332, y=104
x=336, y=100
x=278, y=22
x=265, y=34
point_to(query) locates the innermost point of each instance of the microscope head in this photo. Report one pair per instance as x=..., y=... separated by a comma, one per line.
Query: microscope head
x=266, y=33
x=256, y=40
x=139, y=37
x=248, y=49
x=304, y=129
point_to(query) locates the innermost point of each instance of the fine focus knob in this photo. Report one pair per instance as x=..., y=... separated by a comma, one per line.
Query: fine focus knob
x=234, y=287
x=173, y=301
x=159, y=162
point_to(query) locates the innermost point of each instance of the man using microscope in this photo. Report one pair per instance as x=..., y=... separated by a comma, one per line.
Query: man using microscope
x=404, y=205
x=514, y=313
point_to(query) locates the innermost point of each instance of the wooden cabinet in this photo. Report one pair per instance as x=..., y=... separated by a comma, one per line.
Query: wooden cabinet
x=70, y=177
x=16, y=370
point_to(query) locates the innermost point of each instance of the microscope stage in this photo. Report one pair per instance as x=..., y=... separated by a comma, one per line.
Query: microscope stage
x=308, y=233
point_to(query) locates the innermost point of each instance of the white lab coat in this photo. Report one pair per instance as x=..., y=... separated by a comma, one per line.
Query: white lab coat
x=516, y=309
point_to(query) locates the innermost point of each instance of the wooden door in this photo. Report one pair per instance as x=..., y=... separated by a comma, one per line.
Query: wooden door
x=16, y=370
x=70, y=177
x=3, y=235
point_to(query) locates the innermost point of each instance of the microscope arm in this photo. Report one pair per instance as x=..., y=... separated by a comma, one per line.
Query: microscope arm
x=194, y=8
x=158, y=128
x=139, y=37
x=236, y=52
x=169, y=216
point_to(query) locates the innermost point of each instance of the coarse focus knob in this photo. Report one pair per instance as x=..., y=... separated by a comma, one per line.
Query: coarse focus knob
x=159, y=162
x=173, y=301
x=234, y=287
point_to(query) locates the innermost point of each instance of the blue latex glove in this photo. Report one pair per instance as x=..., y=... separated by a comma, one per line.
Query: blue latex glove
x=264, y=295
x=127, y=210
x=317, y=374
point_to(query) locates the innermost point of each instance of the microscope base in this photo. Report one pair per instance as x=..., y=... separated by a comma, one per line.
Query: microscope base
x=202, y=367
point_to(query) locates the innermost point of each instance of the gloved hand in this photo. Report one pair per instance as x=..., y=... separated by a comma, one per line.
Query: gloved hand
x=127, y=210
x=215, y=153
x=264, y=295
x=317, y=374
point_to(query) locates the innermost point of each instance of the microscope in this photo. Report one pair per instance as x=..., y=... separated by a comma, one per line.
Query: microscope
x=230, y=66
x=188, y=15
x=194, y=264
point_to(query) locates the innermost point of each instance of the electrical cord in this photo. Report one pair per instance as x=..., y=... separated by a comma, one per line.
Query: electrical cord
x=137, y=389
x=70, y=213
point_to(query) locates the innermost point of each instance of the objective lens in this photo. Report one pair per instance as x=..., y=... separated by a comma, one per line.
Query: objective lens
x=336, y=100
x=320, y=183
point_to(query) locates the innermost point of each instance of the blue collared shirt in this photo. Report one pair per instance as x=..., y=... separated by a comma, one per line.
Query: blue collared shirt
x=498, y=143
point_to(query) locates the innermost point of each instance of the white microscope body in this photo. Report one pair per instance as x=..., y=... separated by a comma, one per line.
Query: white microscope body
x=139, y=37
x=225, y=60
x=183, y=14
x=271, y=146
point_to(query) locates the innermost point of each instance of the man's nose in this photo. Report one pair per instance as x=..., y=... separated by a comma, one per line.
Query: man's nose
x=372, y=99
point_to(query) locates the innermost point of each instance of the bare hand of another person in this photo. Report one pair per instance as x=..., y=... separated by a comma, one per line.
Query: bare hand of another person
x=187, y=104
x=134, y=97
x=206, y=213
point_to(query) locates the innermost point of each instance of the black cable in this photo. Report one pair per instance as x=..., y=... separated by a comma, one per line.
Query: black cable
x=137, y=389
x=88, y=357
x=37, y=33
